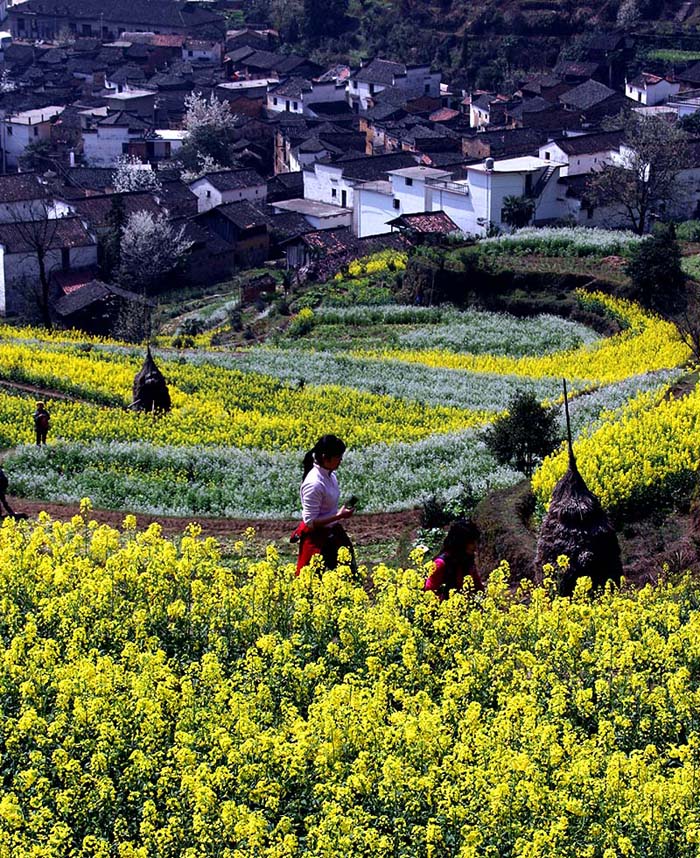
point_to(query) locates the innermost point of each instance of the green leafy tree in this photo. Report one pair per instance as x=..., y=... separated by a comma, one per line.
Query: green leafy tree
x=655, y=270
x=517, y=211
x=525, y=435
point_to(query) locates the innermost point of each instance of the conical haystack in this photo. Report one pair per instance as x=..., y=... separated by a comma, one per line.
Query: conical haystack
x=150, y=389
x=576, y=525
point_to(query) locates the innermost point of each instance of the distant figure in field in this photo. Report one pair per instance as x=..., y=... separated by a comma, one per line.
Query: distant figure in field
x=42, y=419
x=320, y=531
x=4, y=483
x=456, y=560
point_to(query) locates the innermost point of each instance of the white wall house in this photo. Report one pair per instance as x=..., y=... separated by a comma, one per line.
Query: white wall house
x=326, y=184
x=581, y=154
x=71, y=247
x=318, y=215
x=686, y=104
x=472, y=202
x=110, y=138
x=371, y=78
x=404, y=193
x=202, y=50
x=650, y=89
x=297, y=95
x=20, y=129
x=228, y=186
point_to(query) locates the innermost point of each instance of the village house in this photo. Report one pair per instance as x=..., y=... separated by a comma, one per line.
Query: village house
x=244, y=227
x=378, y=74
x=25, y=127
x=298, y=95
x=651, y=89
x=228, y=186
x=202, y=51
x=46, y=19
x=584, y=153
x=334, y=183
x=109, y=138
x=473, y=199
x=68, y=246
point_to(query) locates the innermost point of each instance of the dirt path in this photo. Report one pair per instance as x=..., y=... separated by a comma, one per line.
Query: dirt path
x=365, y=528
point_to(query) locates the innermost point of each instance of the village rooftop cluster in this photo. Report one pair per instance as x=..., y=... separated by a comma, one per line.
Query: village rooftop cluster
x=329, y=162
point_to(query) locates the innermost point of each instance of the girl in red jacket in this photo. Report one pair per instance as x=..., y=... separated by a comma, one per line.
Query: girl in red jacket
x=455, y=562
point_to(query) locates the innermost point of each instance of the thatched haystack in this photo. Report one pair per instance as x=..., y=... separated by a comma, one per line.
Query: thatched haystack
x=150, y=392
x=576, y=525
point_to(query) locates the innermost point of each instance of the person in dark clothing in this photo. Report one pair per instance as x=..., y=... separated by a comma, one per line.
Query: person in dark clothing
x=4, y=483
x=41, y=423
x=456, y=560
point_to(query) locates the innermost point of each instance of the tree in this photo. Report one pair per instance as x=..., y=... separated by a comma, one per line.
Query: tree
x=654, y=268
x=324, y=18
x=644, y=182
x=517, y=211
x=151, y=249
x=36, y=227
x=525, y=435
x=211, y=132
x=130, y=174
x=109, y=244
x=37, y=156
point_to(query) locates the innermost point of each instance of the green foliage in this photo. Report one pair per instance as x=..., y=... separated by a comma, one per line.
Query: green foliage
x=302, y=323
x=654, y=268
x=517, y=211
x=689, y=230
x=525, y=435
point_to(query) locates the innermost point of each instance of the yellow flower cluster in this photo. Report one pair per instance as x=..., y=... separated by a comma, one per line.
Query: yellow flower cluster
x=378, y=263
x=211, y=405
x=636, y=459
x=158, y=701
x=648, y=343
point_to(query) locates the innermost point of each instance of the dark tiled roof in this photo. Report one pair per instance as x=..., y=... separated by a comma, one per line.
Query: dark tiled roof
x=233, y=180
x=242, y=213
x=177, y=198
x=88, y=294
x=330, y=108
x=240, y=53
x=380, y=71
x=122, y=119
x=293, y=87
x=95, y=210
x=67, y=232
x=90, y=178
x=127, y=73
x=162, y=13
x=589, y=143
x=370, y=168
x=426, y=222
x=572, y=68
x=20, y=187
x=586, y=95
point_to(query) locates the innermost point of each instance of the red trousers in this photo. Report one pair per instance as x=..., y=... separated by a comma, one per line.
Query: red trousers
x=324, y=541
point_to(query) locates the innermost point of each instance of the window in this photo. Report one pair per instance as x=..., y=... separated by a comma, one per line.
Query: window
x=87, y=30
x=9, y=130
x=409, y=183
x=36, y=131
x=334, y=193
x=354, y=83
x=274, y=101
x=208, y=194
x=546, y=156
x=397, y=204
x=294, y=105
x=190, y=53
x=589, y=212
x=65, y=258
x=426, y=89
x=371, y=89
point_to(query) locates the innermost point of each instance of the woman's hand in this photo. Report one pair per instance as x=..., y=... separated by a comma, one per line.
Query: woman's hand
x=345, y=512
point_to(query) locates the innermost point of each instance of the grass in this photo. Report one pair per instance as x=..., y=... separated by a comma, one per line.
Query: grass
x=669, y=55
x=691, y=266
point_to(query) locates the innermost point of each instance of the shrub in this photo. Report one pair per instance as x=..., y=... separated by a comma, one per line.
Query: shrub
x=302, y=323
x=525, y=435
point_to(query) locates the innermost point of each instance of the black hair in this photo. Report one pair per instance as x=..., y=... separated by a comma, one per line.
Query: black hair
x=461, y=531
x=327, y=445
